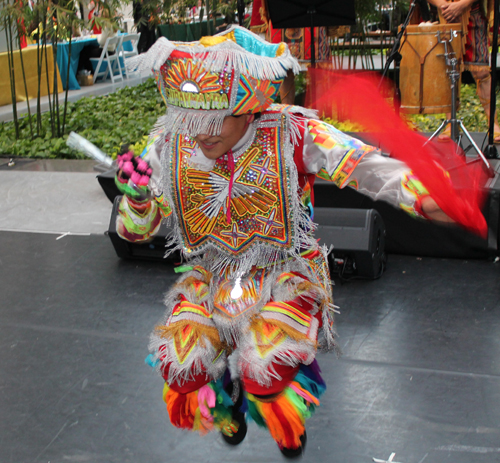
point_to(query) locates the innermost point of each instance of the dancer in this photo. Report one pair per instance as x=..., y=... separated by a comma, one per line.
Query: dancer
x=234, y=174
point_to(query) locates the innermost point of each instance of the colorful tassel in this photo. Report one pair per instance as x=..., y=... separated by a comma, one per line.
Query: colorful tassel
x=285, y=416
x=204, y=410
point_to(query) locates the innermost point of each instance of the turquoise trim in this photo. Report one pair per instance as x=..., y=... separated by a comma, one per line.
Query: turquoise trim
x=252, y=45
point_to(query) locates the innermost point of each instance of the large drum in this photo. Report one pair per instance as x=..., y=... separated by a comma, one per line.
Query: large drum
x=424, y=83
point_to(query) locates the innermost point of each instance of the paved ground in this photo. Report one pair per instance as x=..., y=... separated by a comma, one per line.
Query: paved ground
x=52, y=197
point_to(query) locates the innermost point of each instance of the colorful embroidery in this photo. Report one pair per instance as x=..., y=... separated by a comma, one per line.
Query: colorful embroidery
x=259, y=204
x=268, y=338
x=255, y=95
x=184, y=343
x=327, y=137
x=416, y=188
x=252, y=289
x=192, y=312
x=287, y=313
x=185, y=83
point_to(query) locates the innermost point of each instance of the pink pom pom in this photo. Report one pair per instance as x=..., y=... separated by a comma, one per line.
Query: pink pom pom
x=135, y=177
x=144, y=180
x=206, y=396
x=127, y=156
x=128, y=168
x=149, y=172
x=142, y=166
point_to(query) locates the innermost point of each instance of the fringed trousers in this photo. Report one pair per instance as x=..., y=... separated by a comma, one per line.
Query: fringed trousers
x=210, y=345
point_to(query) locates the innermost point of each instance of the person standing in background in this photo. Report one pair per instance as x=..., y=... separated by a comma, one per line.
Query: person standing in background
x=94, y=11
x=141, y=20
x=94, y=51
x=476, y=17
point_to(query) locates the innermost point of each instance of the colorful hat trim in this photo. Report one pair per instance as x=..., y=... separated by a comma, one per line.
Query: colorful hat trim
x=232, y=73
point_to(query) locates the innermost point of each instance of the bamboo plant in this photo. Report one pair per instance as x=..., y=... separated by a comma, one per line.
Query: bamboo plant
x=46, y=23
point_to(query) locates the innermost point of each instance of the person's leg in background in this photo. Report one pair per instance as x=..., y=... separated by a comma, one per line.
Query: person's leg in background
x=90, y=51
x=147, y=39
x=483, y=83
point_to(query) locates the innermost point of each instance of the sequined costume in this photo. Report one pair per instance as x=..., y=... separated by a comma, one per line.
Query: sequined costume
x=255, y=302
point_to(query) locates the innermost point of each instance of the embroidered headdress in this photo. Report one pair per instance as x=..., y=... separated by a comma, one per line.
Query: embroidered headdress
x=232, y=73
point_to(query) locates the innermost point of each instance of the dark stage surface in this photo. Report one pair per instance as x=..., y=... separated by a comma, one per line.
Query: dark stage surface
x=420, y=374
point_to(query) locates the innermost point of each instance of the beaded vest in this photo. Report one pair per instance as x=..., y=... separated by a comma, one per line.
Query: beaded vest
x=265, y=222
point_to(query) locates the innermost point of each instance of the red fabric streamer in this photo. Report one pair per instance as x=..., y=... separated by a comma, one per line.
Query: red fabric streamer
x=455, y=185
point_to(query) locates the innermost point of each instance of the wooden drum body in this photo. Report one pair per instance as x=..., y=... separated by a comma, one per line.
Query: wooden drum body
x=424, y=83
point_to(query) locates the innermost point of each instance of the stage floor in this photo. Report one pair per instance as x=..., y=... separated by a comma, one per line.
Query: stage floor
x=420, y=373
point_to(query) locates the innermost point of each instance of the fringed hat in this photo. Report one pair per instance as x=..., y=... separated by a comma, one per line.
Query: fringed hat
x=229, y=74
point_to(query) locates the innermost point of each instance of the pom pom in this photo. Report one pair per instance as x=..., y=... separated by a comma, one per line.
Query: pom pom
x=126, y=156
x=149, y=172
x=135, y=177
x=143, y=181
x=142, y=166
x=128, y=168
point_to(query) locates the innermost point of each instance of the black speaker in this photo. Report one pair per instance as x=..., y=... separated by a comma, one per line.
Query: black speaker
x=107, y=181
x=154, y=249
x=356, y=238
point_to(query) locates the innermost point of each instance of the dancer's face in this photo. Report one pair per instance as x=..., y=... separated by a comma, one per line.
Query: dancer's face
x=233, y=129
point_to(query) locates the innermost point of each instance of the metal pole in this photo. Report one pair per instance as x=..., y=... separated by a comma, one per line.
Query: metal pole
x=491, y=151
x=312, y=12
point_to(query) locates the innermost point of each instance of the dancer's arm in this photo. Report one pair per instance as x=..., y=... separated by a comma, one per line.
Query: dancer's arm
x=142, y=207
x=346, y=161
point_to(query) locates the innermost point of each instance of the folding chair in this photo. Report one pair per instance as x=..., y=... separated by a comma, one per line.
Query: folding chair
x=108, y=63
x=128, y=48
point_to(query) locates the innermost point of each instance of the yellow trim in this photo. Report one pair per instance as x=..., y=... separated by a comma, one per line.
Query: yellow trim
x=281, y=49
x=209, y=41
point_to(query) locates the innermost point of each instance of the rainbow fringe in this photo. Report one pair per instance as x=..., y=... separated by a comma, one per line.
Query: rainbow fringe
x=285, y=416
x=203, y=410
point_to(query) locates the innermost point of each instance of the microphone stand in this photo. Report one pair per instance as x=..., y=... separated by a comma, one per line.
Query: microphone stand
x=394, y=55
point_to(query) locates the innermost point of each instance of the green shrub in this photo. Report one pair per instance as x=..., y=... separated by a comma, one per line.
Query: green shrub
x=126, y=116
x=470, y=111
x=129, y=114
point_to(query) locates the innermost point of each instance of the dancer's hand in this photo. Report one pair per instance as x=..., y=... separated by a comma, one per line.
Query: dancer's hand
x=431, y=209
x=133, y=176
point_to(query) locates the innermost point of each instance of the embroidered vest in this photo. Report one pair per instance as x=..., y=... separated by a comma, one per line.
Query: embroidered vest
x=261, y=207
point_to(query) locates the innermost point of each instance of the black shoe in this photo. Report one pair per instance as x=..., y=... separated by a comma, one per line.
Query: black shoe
x=295, y=453
x=239, y=435
x=235, y=389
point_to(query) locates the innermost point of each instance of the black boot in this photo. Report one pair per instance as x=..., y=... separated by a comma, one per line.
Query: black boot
x=295, y=453
x=238, y=427
x=241, y=425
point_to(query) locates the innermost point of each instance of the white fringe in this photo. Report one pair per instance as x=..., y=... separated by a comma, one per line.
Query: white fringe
x=154, y=58
x=193, y=122
x=217, y=57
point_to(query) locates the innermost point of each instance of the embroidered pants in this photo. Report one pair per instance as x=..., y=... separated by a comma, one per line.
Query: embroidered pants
x=275, y=338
